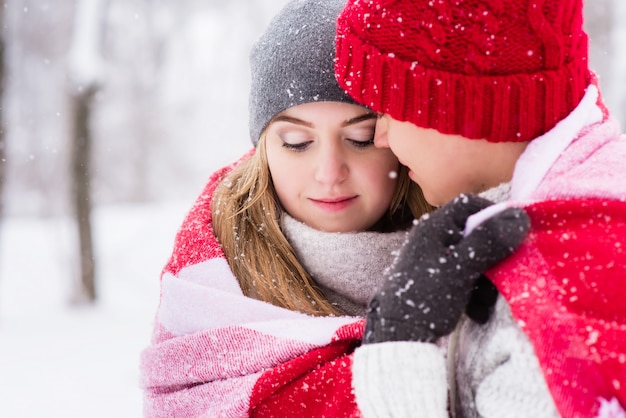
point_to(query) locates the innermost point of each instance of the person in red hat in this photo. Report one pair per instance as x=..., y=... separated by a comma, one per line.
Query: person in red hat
x=495, y=98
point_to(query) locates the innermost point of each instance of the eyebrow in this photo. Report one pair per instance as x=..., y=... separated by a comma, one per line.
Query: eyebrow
x=352, y=121
x=363, y=117
x=290, y=119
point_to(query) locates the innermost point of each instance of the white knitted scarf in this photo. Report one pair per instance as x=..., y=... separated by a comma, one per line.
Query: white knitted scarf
x=347, y=266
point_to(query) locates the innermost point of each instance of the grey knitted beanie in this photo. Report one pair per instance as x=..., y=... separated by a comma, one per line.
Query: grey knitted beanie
x=292, y=62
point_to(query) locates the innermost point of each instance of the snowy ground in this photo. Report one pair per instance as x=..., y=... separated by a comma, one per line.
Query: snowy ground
x=58, y=360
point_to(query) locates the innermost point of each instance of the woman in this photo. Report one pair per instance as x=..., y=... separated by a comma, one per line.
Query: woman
x=262, y=300
x=315, y=168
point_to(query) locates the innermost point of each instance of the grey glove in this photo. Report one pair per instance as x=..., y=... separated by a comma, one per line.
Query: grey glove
x=437, y=269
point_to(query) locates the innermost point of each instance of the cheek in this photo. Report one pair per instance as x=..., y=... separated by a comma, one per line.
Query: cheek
x=375, y=175
x=407, y=142
x=414, y=151
x=282, y=184
x=440, y=180
x=281, y=170
x=379, y=164
x=288, y=189
x=406, y=151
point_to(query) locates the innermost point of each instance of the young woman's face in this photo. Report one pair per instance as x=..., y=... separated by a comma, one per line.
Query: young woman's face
x=325, y=168
x=443, y=165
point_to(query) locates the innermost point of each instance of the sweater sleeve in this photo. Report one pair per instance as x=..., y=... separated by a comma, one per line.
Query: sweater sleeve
x=400, y=379
x=497, y=372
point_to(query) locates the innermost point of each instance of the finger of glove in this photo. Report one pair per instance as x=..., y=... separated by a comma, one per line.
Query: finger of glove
x=446, y=224
x=493, y=240
x=470, y=202
x=380, y=327
x=372, y=322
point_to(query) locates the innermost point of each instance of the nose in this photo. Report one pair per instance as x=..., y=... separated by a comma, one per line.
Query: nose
x=381, y=139
x=332, y=167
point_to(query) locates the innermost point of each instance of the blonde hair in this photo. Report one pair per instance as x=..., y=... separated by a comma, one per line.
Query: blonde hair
x=246, y=221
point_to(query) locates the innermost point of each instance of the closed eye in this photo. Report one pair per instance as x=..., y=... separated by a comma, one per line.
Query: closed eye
x=362, y=144
x=299, y=147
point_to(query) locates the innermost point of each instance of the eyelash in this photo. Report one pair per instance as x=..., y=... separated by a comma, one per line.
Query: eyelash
x=296, y=147
x=304, y=145
x=362, y=144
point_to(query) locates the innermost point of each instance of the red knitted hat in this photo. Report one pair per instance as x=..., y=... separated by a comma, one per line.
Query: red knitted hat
x=502, y=70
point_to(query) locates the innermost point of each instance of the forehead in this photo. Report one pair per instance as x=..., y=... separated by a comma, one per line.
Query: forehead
x=331, y=111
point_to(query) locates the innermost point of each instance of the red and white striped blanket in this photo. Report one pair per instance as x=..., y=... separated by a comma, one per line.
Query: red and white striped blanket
x=218, y=353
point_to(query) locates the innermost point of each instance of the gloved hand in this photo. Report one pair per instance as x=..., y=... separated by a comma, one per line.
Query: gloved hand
x=435, y=273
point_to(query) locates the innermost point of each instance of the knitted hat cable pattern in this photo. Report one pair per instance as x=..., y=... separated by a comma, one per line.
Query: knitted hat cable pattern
x=500, y=70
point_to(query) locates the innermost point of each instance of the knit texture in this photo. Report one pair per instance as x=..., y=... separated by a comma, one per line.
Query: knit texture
x=497, y=372
x=571, y=301
x=292, y=62
x=336, y=261
x=436, y=272
x=564, y=286
x=500, y=70
x=416, y=388
x=218, y=353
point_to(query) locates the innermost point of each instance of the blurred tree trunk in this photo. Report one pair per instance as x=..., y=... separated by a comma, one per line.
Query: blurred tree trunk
x=84, y=73
x=81, y=142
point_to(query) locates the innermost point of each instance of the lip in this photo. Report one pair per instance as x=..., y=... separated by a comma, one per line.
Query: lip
x=334, y=204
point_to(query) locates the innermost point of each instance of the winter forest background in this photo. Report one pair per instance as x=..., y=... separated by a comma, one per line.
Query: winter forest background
x=159, y=88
